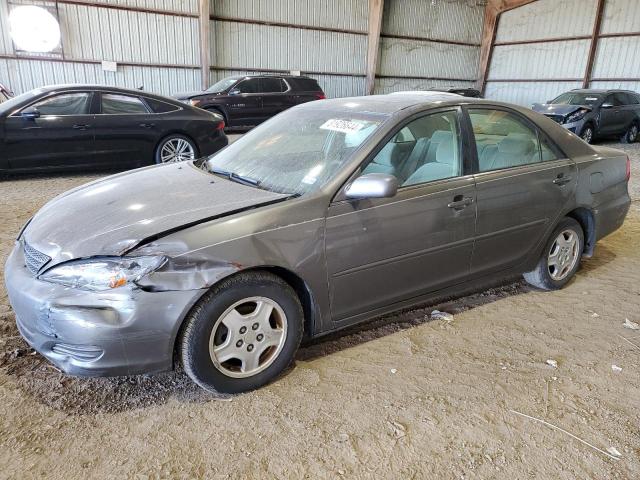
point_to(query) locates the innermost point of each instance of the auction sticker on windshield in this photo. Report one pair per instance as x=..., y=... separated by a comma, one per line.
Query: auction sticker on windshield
x=343, y=126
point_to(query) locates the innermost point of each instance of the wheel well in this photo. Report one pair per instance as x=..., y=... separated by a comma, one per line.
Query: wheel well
x=302, y=291
x=586, y=220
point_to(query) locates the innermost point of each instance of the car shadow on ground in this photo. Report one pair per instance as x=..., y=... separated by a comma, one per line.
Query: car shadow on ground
x=41, y=381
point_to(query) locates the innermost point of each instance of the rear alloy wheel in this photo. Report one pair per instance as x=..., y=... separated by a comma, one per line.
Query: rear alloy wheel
x=242, y=334
x=631, y=135
x=587, y=134
x=176, y=148
x=560, y=258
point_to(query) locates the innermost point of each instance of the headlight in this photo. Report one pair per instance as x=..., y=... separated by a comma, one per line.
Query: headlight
x=576, y=116
x=194, y=102
x=102, y=273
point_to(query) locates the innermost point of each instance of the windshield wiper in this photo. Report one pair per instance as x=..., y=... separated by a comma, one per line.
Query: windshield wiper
x=235, y=177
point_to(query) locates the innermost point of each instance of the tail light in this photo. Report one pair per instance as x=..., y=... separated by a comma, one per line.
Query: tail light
x=320, y=96
x=220, y=126
x=628, y=168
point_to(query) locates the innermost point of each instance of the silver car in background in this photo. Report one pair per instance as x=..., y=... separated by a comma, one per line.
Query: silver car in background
x=325, y=216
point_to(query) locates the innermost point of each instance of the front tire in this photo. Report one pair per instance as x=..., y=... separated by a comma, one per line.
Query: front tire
x=631, y=135
x=560, y=258
x=175, y=148
x=587, y=133
x=242, y=334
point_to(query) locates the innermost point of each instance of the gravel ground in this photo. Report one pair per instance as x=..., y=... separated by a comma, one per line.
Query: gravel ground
x=405, y=397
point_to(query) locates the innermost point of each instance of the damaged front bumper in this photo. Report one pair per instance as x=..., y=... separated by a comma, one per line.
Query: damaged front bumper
x=124, y=331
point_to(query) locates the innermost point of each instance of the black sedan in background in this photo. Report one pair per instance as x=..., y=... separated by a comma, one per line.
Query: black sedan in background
x=75, y=126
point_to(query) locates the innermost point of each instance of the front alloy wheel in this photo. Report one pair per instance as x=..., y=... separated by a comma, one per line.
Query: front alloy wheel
x=248, y=337
x=587, y=134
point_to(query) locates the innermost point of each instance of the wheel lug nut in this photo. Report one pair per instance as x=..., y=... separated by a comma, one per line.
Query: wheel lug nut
x=243, y=329
x=239, y=343
x=249, y=347
x=260, y=337
x=255, y=326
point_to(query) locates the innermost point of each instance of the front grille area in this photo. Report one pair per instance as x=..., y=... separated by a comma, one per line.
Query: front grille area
x=556, y=118
x=34, y=259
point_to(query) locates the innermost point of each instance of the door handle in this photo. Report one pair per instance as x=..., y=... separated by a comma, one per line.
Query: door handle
x=80, y=126
x=147, y=125
x=561, y=180
x=460, y=202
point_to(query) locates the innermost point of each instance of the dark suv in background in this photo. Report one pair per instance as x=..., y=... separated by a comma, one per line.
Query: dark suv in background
x=592, y=113
x=246, y=101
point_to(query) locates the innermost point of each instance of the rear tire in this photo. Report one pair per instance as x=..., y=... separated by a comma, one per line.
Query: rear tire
x=560, y=258
x=242, y=334
x=175, y=148
x=587, y=133
x=631, y=135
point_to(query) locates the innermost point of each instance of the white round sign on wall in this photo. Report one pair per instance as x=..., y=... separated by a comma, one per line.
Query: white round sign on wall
x=34, y=29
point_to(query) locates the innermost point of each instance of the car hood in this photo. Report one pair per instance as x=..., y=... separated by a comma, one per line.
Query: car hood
x=113, y=215
x=187, y=95
x=557, y=109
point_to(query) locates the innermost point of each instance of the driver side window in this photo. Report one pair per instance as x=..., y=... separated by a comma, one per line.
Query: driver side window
x=425, y=150
x=64, y=104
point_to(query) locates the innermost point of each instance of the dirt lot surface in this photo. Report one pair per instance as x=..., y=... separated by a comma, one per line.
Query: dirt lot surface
x=407, y=397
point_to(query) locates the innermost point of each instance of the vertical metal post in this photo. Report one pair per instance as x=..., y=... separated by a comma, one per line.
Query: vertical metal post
x=205, y=41
x=594, y=44
x=373, y=43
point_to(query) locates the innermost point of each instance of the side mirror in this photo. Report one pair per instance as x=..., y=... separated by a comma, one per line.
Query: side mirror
x=30, y=113
x=607, y=105
x=234, y=91
x=373, y=185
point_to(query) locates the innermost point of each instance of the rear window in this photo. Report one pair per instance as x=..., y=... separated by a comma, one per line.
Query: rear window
x=273, y=85
x=304, y=84
x=160, y=107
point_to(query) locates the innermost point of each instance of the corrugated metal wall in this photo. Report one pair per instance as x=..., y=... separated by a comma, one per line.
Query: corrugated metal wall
x=154, y=50
x=415, y=53
x=285, y=35
x=536, y=71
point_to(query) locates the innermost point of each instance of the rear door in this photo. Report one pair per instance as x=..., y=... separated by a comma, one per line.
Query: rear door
x=245, y=103
x=523, y=184
x=62, y=134
x=126, y=130
x=385, y=250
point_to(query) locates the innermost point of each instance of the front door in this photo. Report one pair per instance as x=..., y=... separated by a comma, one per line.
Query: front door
x=245, y=103
x=523, y=185
x=53, y=132
x=381, y=251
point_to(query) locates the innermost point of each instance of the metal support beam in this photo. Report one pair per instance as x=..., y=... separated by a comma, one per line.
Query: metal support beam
x=205, y=41
x=492, y=12
x=373, y=43
x=594, y=44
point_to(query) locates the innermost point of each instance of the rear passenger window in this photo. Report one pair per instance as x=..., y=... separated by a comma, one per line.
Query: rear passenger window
x=272, y=85
x=503, y=140
x=160, y=107
x=425, y=150
x=113, y=104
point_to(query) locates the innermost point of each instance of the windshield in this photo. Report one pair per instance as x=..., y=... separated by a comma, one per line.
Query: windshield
x=222, y=85
x=297, y=151
x=574, y=98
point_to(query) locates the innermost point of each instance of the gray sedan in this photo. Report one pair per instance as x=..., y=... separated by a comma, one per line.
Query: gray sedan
x=327, y=215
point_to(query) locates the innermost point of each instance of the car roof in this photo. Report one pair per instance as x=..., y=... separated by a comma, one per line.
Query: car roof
x=391, y=103
x=601, y=90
